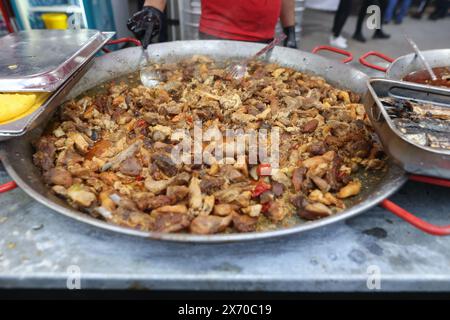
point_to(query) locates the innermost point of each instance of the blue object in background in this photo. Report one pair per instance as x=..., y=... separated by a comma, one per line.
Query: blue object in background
x=99, y=14
x=390, y=10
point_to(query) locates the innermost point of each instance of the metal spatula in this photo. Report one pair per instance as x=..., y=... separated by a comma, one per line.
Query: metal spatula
x=238, y=70
x=421, y=57
x=149, y=77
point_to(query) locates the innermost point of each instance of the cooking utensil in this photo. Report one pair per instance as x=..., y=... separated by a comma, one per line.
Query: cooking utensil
x=410, y=156
x=421, y=57
x=237, y=71
x=149, y=77
x=17, y=155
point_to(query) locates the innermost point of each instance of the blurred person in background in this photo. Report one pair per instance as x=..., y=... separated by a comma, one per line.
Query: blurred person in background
x=421, y=9
x=379, y=34
x=440, y=10
x=400, y=14
x=244, y=20
x=342, y=13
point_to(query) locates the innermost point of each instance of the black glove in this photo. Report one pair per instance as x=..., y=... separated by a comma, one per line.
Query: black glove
x=147, y=25
x=291, y=40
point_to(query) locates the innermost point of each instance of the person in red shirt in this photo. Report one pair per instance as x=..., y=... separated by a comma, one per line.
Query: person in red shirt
x=244, y=20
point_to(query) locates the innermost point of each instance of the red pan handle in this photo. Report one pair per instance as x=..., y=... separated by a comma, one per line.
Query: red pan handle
x=412, y=219
x=122, y=40
x=336, y=50
x=11, y=185
x=415, y=221
x=8, y=186
x=430, y=180
x=363, y=60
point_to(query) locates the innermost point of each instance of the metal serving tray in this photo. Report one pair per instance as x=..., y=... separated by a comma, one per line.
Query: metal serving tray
x=42, y=60
x=40, y=116
x=410, y=156
x=45, y=61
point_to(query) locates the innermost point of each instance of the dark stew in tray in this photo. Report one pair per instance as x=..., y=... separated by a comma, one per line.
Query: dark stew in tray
x=422, y=76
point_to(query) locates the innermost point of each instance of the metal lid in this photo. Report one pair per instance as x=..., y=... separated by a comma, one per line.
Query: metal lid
x=42, y=60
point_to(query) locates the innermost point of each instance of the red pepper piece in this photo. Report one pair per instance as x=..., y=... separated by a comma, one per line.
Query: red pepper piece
x=141, y=123
x=260, y=188
x=266, y=207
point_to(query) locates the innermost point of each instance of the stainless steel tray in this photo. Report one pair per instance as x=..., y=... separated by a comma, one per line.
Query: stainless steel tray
x=42, y=60
x=60, y=70
x=410, y=156
x=40, y=116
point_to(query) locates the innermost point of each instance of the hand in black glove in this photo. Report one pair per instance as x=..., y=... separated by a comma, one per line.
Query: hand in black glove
x=291, y=41
x=147, y=25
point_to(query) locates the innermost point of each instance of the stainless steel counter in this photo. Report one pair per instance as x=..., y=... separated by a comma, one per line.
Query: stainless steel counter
x=39, y=249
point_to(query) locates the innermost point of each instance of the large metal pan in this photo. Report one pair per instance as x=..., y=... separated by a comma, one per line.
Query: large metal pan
x=17, y=154
x=404, y=65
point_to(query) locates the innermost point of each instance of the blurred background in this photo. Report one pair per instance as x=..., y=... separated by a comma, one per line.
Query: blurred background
x=314, y=21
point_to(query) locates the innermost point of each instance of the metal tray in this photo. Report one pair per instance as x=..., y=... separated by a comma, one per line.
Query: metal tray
x=42, y=60
x=41, y=115
x=412, y=157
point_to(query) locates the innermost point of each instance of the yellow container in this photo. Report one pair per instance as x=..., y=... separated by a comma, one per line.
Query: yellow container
x=55, y=20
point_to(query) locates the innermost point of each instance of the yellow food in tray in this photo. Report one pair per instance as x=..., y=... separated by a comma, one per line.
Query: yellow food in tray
x=14, y=106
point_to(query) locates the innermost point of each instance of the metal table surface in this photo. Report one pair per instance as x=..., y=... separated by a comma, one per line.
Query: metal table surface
x=40, y=249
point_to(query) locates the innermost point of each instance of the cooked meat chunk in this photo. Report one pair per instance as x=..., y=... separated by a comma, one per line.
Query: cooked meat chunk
x=131, y=167
x=171, y=222
x=276, y=211
x=195, y=194
x=154, y=202
x=310, y=126
x=157, y=187
x=209, y=185
x=244, y=223
x=45, y=155
x=314, y=211
x=131, y=218
x=317, y=149
x=232, y=174
x=210, y=224
x=297, y=178
x=266, y=197
x=165, y=164
x=223, y=210
x=59, y=176
x=352, y=189
x=177, y=193
x=277, y=189
x=79, y=195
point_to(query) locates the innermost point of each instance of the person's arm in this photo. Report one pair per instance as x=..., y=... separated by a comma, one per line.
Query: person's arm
x=287, y=13
x=158, y=4
x=149, y=23
x=288, y=22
